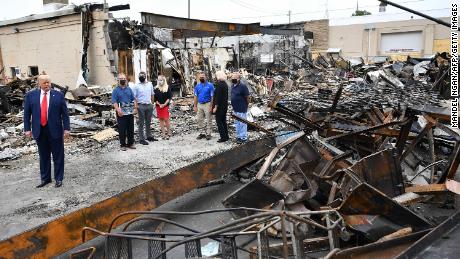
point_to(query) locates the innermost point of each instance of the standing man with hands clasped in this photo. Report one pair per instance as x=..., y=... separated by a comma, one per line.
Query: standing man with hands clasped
x=46, y=118
x=125, y=105
x=144, y=95
x=203, y=92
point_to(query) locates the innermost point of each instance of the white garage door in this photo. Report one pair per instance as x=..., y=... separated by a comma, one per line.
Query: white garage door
x=401, y=42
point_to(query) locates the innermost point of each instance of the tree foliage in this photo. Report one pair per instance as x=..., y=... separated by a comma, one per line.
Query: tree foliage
x=361, y=13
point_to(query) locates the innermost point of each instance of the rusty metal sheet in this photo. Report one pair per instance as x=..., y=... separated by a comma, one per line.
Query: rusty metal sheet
x=64, y=233
x=302, y=155
x=372, y=227
x=254, y=194
x=441, y=242
x=381, y=250
x=366, y=200
x=181, y=33
x=382, y=170
x=172, y=22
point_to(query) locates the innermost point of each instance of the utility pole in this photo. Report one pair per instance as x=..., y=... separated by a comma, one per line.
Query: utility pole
x=189, y=9
x=289, y=14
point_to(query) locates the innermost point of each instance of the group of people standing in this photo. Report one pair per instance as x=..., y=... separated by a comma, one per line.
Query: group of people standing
x=209, y=99
x=46, y=117
x=213, y=99
x=140, y=99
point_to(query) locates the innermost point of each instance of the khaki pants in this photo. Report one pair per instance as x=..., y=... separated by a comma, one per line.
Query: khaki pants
x=202, y=114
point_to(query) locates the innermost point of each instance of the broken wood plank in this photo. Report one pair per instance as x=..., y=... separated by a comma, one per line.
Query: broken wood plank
x=273, y=153
x=408, y=198
x=453, y=186
x=255, y=125
x=427, y=189
x=399, y=233
x=105, y=135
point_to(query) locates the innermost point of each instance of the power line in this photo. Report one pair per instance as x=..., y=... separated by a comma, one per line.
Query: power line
x=252, y=7
x=315, y=11
x=336, y=18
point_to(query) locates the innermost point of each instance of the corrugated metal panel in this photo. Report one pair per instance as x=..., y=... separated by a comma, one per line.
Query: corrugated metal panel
x=401, y=42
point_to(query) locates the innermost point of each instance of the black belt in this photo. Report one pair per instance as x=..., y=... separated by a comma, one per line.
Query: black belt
x=205, y=102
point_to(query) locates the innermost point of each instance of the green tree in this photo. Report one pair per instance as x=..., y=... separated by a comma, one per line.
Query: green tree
x=361, y=13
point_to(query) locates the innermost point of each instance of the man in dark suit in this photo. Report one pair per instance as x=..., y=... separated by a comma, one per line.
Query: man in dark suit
x=50, y=124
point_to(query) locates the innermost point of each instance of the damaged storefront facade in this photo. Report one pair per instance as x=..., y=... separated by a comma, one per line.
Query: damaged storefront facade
x=52, y=42
x=84, y=42
x=179, y=48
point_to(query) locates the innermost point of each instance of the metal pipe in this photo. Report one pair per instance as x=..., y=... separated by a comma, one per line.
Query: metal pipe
x=331, y=253
x=428, y=166
x=417, y=13
x=194, y=213
x=219, y=230
x=284, y=235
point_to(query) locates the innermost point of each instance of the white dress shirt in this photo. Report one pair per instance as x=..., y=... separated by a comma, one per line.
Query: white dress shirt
x=42, y=93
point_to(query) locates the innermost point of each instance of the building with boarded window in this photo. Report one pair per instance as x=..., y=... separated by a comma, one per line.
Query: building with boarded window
x=382, y=34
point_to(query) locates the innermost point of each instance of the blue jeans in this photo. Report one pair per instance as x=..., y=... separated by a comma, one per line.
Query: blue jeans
x=241, y=128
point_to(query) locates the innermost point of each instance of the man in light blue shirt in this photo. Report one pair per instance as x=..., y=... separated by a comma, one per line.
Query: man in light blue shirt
x=143, y=92
x=203, y=92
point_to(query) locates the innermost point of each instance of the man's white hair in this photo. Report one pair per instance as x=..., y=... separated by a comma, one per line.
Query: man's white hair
x=221, y=76
x=43, y=77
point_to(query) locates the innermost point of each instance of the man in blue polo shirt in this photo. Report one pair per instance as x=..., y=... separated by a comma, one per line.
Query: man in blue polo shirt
x=202, y=106
x=240, y=102
x=125, y=105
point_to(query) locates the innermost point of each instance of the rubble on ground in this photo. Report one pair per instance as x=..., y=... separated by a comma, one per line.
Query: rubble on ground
x=364, y=157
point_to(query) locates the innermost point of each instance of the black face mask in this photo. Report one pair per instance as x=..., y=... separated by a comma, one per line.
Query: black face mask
x=234, y=81
x=202, y=80
x=122, y=82
x=142, y=79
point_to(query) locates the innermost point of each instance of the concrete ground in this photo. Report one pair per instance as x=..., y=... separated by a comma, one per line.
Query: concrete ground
x=93, y=172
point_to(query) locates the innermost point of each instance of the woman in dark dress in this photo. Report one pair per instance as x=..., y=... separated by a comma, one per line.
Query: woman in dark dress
x=220, y=104
x=163, y=97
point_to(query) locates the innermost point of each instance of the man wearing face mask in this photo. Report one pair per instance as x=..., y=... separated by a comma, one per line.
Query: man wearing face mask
x=240, y=102
x=143, y=93
x=204, y=92
x=125, y=105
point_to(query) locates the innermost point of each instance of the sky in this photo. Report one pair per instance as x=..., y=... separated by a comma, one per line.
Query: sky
x=241, y=11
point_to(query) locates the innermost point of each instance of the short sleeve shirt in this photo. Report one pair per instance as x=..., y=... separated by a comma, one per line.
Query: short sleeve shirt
x=239, y=94
x=125, y=99
x=143, y=92
x=204, y=92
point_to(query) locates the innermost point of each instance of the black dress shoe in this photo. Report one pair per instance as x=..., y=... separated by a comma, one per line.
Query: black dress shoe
x=58, y=184
x=143, y=142
x=43, y=184
x=152, y=139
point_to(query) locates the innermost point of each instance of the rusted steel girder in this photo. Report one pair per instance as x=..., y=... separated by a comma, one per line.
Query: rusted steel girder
x=64, y=233
x=172, y=22
x=182, y=33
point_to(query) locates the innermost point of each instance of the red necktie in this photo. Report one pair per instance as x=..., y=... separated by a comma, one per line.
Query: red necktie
x=44, y=111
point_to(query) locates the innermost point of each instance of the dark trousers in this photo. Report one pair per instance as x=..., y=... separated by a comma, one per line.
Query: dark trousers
x=126, y=129
x=221, y=121
x=46, y=147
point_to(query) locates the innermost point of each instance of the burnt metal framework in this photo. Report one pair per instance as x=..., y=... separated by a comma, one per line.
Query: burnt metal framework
x=183, y=27
x=62, y=234
x=292, y=224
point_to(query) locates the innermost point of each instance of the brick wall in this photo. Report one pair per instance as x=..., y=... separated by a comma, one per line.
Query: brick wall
x=320, y=29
